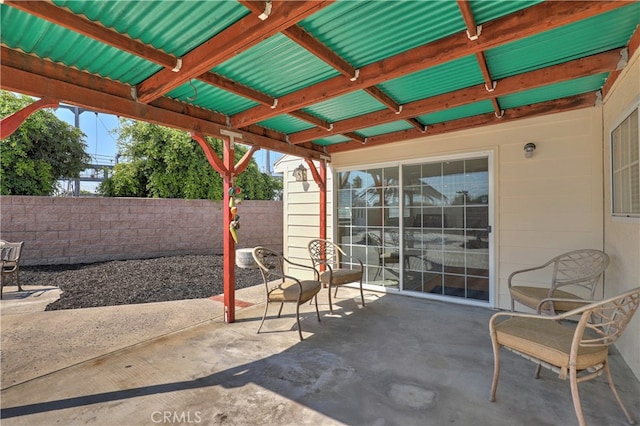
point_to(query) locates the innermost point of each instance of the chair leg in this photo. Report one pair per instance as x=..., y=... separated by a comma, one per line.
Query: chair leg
x=361, y=292
x=18, y=280
x=317, y=311
x=630, y=419
x=280, y=310
x=536, y=375
x=577, y=406
x=496, y=369
x=330, y=304
x=298, y=321
x=266, y=306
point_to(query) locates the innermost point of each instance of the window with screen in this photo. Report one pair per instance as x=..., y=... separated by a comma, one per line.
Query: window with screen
x=625, y=167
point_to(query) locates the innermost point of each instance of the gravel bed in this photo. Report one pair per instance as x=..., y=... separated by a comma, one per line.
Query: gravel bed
x=124, y=282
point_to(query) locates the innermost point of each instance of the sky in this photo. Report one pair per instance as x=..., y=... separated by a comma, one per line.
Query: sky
x=101, y=141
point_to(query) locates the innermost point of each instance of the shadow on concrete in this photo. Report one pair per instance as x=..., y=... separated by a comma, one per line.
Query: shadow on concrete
x=399, y=360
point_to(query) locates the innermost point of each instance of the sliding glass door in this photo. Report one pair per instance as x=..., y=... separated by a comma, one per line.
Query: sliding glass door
x=446, y=245
x=421, y=228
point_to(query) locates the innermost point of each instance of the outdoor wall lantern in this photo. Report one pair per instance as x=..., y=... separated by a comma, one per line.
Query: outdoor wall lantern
x=300, y=173
x=528, y=149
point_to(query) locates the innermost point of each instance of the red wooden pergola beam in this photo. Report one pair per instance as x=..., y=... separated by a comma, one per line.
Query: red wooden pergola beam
x=538, y=18
x=10, y=124
x=37, y=77
x=577, y=68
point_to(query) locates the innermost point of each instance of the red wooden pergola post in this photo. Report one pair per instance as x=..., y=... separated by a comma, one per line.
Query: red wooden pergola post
x=10, y=124
x=228, y=171
x=320, y=178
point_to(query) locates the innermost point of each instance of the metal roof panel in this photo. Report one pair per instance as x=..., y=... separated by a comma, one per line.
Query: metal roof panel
x=553, y=91
x=363, y=32
x=211, y=98
x=457, y=113
x=587, y=37
x=277, y=66
x=444, y=78
x=382, y=129
x=184, y=24
x=78, y=51
x=286, y=124
x=346, y=106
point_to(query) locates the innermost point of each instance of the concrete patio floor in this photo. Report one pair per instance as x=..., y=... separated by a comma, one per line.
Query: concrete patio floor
x=397, y=361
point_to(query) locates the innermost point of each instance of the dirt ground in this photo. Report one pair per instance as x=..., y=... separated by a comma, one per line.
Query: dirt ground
x=126, y=282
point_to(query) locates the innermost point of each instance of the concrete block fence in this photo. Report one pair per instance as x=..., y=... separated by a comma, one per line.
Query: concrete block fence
x=65, y=230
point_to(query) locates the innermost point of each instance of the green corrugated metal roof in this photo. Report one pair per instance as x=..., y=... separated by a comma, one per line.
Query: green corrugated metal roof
x=457, y=113
x=346, y=106
x=361, y=32
x=583, y=38
x=331, y=140
x=210, y=97
x=78, y=51
x=364, y=32
x=450, y=76
x=286, y=124
x=276, y=66
x=183, y=25
x=553, y=91
x=484, y=10
x=383, y=129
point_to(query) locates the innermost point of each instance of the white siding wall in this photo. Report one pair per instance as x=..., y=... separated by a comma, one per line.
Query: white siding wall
x=302, y=211
x=622, y=236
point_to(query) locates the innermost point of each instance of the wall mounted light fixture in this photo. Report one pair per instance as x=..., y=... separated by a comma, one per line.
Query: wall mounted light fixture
x=300, y=173
x=529, y=148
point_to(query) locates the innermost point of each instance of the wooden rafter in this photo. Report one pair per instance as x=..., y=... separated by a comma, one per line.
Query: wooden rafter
x=306, y=40
x=551, y=107
x=84, y=26
x=236, y=88
x=469, y=19
x=533, y=20
x=356, y=137
x=323, y=124
x=240, y=36
x=557, y=73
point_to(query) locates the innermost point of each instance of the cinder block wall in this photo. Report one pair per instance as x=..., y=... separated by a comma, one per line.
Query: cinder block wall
x=62, y=230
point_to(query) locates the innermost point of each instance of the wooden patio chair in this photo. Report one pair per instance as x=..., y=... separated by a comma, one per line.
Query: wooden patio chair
x=10, y=257
x=337, y=273
x=579, y=350
x=282, y=288
x=572, y=270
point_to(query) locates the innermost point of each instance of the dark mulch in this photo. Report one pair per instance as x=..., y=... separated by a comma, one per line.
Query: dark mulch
x=124, y=282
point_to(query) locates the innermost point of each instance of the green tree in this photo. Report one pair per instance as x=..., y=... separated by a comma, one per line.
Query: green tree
x=161, y=162
x=41, y=151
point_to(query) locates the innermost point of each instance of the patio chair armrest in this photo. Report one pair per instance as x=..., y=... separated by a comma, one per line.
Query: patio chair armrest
x=559, y=299
x=300, y=265
x=496, y=316
x=346, y=256
x=520, y=271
